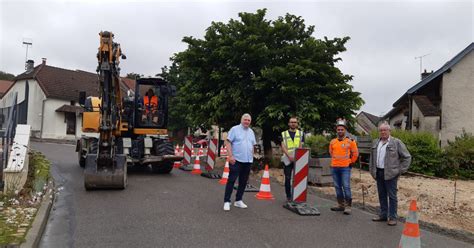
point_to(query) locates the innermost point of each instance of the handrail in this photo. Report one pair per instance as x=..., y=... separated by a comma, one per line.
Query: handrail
x=7, y=136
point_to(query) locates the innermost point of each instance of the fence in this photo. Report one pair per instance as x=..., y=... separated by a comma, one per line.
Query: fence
x=9, y=116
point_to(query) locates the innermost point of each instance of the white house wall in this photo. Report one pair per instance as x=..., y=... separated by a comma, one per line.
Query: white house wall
x=425, y=124
x=19, y=87
x=54, y=124
x=458, y=101
x=35, y=103
x=398, y=117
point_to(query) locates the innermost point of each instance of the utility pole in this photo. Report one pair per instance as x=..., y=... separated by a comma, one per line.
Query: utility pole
x=27, y=42
x=421, y=62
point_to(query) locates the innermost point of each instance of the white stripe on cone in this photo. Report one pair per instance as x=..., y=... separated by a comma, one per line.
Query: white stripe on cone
x=196, y=163
x=265, y=187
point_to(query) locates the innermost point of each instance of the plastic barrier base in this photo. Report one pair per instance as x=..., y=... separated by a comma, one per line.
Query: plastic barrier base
x=188, y=167
x=211, y=175
x=302, y=208
x=248, y=188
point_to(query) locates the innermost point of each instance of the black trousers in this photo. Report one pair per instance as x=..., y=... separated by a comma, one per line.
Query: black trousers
x=288, y=170
x=240, y=170
x=387, y=190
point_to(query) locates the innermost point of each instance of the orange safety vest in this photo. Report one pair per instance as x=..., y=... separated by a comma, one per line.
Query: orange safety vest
x=150, y=104
x=343, y=152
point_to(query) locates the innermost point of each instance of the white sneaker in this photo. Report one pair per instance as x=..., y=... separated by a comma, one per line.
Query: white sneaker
x=240, y=204
x=226, y=206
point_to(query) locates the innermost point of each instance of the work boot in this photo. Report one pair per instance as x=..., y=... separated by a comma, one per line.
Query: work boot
x=340, y=205
x=347, y=209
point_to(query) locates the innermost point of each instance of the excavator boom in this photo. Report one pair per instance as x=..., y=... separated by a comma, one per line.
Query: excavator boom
x=108, y=167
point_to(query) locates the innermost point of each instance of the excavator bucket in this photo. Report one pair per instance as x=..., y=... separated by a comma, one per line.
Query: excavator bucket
x=110, y=174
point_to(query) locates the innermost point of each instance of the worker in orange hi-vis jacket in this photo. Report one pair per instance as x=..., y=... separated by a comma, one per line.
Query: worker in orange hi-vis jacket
x=344, y=153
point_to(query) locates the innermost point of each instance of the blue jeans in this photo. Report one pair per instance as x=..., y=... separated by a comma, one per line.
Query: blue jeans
x=387, y=195
x=288, y=170
x=240, y=170
x=342, y=182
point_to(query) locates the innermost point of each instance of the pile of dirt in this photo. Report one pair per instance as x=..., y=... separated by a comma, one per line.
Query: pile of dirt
x=435, y=197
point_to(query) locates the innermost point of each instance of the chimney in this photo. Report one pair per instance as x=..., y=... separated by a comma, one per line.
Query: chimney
x=30, y=65
x=425, y=74
x=43, y=61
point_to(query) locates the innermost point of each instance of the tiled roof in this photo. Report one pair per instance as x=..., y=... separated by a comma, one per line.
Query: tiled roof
x=426, y=106
x=4, y=85
x=70, y=109
x=64, y=84
x=130, y=83
x=374, y=119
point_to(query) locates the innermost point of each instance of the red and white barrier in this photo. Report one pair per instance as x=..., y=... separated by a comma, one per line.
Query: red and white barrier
x=211, y=154
x=300, y=179
x=187, y=150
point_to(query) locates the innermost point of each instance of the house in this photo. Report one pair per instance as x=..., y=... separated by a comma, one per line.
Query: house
x=47, y=99
x=366, y=122
x=441, y=103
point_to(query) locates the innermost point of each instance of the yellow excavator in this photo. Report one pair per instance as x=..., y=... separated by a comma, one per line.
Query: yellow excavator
x=123, y=129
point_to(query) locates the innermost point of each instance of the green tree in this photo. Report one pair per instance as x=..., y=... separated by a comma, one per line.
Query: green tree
x=6, y=76
x=133, y=75
x=270, y=69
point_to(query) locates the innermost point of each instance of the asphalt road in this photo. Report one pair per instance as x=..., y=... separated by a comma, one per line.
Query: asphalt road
x=185, y=210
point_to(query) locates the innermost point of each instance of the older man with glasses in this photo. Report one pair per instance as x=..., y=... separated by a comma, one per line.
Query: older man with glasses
x=389, y=159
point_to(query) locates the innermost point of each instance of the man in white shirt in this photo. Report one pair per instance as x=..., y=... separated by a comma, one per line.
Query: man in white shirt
x=389, y=159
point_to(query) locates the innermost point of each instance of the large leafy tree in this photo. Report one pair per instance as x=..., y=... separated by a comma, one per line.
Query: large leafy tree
x=270, y=69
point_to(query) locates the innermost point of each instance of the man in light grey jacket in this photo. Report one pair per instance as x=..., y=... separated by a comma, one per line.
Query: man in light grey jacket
x=389, y=159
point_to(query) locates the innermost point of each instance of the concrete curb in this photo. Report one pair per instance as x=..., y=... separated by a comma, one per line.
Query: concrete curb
x=54, y=141
x=38, y=226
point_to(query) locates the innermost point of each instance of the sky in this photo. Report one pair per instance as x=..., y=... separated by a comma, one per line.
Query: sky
x=386, y=36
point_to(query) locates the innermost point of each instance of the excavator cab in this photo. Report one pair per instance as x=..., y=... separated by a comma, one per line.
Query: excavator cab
x=152, y=101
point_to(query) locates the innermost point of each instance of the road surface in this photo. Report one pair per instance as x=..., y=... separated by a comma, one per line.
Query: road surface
x=185, y=210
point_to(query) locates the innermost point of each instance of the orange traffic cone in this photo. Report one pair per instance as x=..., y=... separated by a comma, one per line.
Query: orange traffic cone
x=225, y=174
x=196, y=166
x=411, y=231
x=177, y=164
x=264, y=193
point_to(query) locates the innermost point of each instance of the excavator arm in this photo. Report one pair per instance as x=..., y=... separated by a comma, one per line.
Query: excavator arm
x=107, y=168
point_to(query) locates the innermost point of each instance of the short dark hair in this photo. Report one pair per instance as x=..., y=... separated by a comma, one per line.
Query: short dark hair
x=293, y=117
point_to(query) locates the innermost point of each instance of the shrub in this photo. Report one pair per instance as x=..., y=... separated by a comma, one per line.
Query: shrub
x=425, y=152
x=318, y=144
x=459, y=155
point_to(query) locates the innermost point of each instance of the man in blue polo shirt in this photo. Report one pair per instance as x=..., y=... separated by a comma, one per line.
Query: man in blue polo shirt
x=239, y=143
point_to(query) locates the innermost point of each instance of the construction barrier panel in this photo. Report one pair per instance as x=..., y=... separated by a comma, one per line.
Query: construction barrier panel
x=188, y=143
x=300, y=185
x=211, y=160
